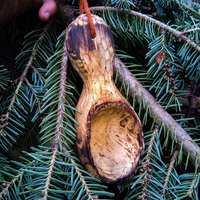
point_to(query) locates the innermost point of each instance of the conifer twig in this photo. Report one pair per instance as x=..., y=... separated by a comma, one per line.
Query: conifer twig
x=23, y=76
x=171, y=165
x=87, y=190
x=29, y=84
x=37, y=72
x=192, y=186
x=178, y=34
x=78, y=172
x=161, y=117
x=4, y=191
x=50, y=171
x=146, y=166
x=61, y=98
x=190, y=30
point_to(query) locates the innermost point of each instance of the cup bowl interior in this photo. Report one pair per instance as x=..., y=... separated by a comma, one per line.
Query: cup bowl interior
x=114, y=141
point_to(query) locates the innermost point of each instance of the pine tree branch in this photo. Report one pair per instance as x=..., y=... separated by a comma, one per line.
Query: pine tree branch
x=186, y=9
x=178, y=34
x=190, y=30
x=4, y=192
x=161, y=117
x=171, y=165
x=193, y=184
x=6, y=117
x=28, y=83
x=23, y=76
x=146, y=167
x=149, y=152
x=87, y=190
x=61, y=111
x=37, y=72
x=48, y=180
x=59, y=121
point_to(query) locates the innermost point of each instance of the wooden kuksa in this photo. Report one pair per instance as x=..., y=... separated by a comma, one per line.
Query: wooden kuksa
x=110, y=140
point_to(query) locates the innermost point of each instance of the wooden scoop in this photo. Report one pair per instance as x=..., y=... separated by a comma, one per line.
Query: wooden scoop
x=110, y=140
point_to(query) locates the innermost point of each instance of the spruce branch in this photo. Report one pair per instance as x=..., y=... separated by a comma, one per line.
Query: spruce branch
x=171, y=165
x=146, y=167
x=78, y=172
x=50, y=172
x=29, y=84
x=187, y=10
x=190, y=30
x=193, y=185
x=59, y=121
x=24, y=74
x=4, y=192
x=37, y=72
x=61, y=111
x=161, y=117
x=178, y=34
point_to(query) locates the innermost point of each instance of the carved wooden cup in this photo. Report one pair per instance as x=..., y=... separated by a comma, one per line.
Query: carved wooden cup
x=110, y=140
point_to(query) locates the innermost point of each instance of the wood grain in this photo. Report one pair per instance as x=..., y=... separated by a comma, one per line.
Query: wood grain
x=110, y=140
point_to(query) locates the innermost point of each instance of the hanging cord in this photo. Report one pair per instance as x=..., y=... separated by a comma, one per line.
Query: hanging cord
x=84, y=4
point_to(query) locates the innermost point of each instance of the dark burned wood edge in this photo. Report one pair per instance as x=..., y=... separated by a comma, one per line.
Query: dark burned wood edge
x=84, y=40
x=80, y=36
x=93, y=110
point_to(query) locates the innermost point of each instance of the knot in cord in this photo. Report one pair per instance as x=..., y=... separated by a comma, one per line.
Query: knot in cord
x=84, y=4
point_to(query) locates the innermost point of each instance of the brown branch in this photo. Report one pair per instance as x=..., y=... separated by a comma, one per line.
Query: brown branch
x=87, y=190
x=61, y=98
x=23, y=76
x=190, y=191
x=161, y=117
x=50, y=171
x=190, y=30
x=146, y=167
x=178, y=34
x=82, y=179
x=171, y=165
x=4, y=192
x=149, y=154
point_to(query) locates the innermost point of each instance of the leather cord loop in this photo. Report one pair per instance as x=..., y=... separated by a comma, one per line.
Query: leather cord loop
x=84, y=4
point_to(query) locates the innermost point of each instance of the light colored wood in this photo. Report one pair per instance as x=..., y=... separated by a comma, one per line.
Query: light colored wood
x=110, y=140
